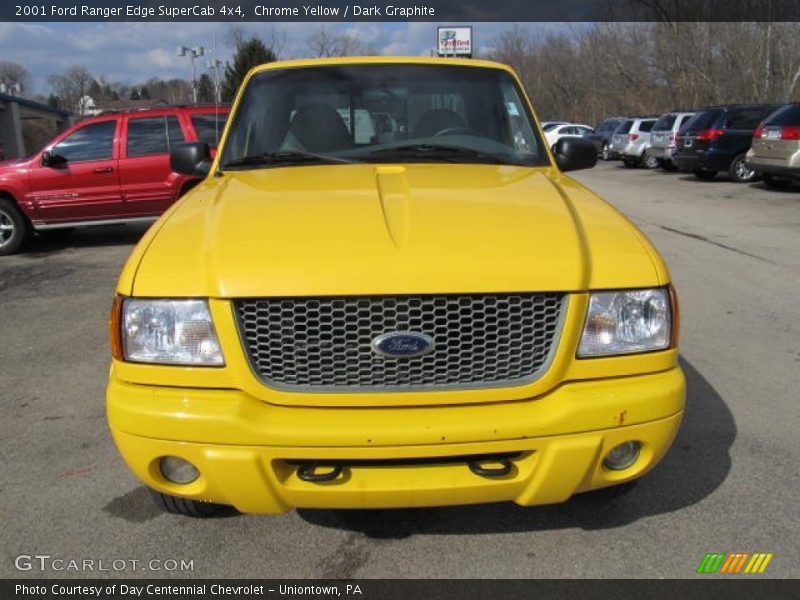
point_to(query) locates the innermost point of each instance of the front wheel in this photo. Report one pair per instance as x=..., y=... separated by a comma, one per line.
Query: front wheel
x=188, y=507
x=14, y=229
x=777, y=183
x=739, y=172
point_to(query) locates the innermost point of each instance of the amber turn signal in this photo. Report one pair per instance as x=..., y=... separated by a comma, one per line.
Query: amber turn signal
x=676, y=317
x=115, y=328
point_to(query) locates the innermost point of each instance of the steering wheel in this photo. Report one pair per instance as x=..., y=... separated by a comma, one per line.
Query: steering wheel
x=458, y=131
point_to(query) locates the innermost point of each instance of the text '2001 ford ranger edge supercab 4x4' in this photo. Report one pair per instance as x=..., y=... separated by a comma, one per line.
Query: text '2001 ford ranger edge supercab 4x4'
x=424, y=312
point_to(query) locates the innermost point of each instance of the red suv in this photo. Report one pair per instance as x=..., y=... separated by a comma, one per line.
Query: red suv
x=113, y=168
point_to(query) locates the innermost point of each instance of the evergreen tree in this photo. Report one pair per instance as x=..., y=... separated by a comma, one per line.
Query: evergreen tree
x=251, y=53
x=205, y=89
x=95, y=91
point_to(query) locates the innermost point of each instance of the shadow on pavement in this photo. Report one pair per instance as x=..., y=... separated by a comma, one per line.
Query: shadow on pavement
x=695, y=467
x=721, y=177
x=794, y=188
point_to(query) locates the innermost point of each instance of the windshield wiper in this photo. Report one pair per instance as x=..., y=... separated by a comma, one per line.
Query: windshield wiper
x=282, y=158
x=440, y=152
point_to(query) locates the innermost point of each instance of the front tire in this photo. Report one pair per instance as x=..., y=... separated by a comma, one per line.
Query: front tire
x=14, y=228
x=739, y=172
x=649, y=162
x=189, y=508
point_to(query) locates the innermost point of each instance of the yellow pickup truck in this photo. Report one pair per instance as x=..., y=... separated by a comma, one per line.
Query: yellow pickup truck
x=428, y=314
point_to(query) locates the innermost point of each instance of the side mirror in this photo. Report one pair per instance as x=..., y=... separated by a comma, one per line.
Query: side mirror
x=573, y=154
x=52, y=160
x=191, y=158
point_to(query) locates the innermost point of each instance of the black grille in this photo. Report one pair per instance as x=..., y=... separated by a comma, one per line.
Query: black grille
x=317, y=344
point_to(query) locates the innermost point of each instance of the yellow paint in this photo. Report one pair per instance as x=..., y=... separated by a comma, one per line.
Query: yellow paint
x=762, y=567
x=366, y=229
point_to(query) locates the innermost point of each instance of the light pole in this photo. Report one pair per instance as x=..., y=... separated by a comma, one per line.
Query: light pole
x=13, y=88
x=216, y=66
x=192, y=53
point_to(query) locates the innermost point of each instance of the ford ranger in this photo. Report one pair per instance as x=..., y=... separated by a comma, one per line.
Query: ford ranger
x=423, y=314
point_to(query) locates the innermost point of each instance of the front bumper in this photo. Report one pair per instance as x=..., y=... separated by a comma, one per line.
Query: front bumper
x=246, y=450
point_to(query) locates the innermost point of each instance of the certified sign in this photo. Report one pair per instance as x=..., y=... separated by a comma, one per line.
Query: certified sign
x=455, y=41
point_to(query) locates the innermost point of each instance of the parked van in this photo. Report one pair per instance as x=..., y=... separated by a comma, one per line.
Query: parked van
x=717, y=140
x=775, y=152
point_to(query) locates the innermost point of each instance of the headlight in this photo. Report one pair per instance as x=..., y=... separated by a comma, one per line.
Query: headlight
x=625, y=322
x=174, y=332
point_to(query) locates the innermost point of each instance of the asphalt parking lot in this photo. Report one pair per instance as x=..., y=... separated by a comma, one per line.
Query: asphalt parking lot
x=730, y=483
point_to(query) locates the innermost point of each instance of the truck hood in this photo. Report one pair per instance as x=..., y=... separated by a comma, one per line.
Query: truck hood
x=388, y=229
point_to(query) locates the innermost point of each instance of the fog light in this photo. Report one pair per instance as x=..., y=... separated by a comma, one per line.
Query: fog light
x=622, y=456
x=177, y=470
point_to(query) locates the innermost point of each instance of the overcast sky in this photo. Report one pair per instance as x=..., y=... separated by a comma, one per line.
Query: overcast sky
x=134, y=52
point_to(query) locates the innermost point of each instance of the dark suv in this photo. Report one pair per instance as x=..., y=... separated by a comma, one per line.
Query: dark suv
x=601, y=138
x=717, y=139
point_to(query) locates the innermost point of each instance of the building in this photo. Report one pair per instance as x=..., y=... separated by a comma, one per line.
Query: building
x=14, y=111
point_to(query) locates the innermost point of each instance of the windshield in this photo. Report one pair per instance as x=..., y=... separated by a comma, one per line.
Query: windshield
x=382, y=113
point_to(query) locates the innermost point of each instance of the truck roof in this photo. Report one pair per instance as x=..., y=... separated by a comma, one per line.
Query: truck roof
x=377, y=60
x=203, y=107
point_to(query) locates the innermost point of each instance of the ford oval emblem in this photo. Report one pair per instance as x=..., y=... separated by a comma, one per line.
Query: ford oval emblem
x=402, y=344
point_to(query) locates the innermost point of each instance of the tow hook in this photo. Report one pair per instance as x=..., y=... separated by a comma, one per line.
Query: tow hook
x=313, y=472
x=491, y=467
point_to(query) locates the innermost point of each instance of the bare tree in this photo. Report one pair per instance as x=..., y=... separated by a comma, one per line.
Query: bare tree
x=327, y=43
x=615, y=68
x=236, y=35
x=786, y=65
x=71, y=87
x=275, y=40
x=13, y=74
x=172, y=91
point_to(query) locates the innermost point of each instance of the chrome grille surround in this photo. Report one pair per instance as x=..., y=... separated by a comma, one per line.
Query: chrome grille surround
x=324, y=344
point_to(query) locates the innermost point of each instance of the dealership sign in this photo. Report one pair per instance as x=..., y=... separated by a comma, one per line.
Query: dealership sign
x=455, y=41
